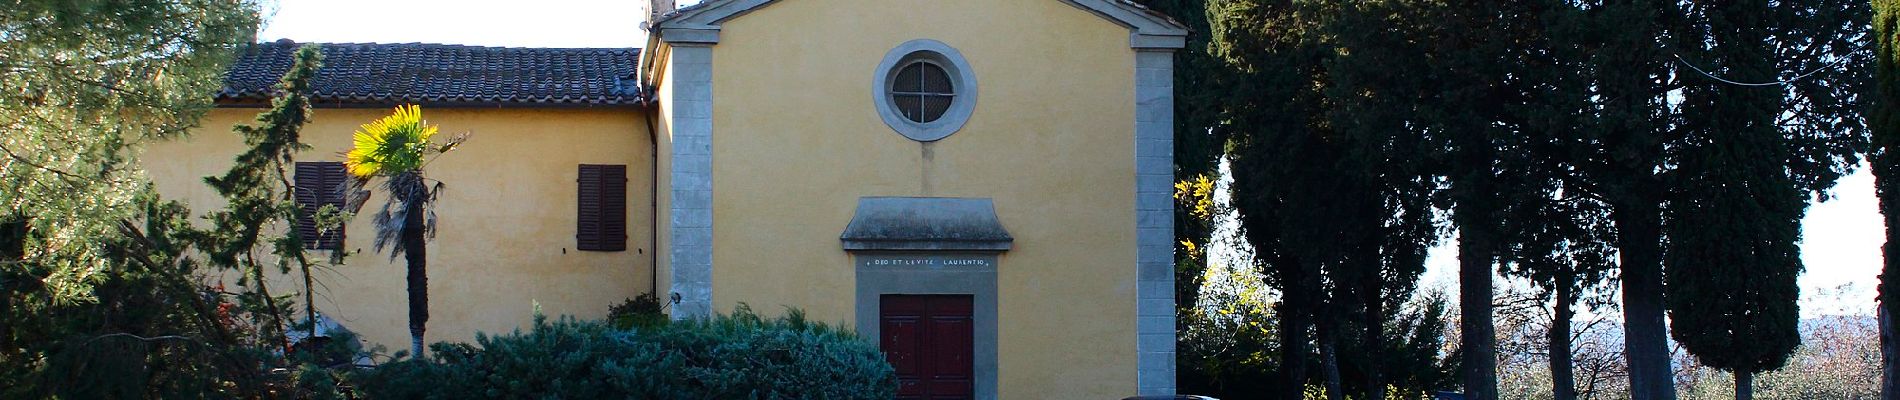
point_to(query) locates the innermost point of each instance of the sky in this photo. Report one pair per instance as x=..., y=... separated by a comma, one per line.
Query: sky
x=1841, y=243
x=539, y=23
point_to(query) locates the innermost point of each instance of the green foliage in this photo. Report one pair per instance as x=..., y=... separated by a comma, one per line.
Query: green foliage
x=259, y=195
x=1412, y=361
x=101, y=278
x=1329, y=176
x=742, y=355
x=1744, y=179
x=1195, y=214
x=87, y=81
x=142, y=337
x=1552, y=129
x=1230, y=342
x=643, y=311
x=1884, y=123
x=1562, y=241
x=320, y=366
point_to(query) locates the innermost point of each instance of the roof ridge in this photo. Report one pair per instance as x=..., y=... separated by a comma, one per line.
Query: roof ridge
x=287, y=42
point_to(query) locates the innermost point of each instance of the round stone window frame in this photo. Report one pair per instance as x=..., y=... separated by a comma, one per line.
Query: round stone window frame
x=962, y=84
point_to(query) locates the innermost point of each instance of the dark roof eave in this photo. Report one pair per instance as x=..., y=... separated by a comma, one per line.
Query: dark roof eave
x=256, y=102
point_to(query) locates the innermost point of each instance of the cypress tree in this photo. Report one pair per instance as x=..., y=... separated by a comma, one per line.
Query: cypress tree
x=1485, y=62
x=1375, y=81
x=1264, y=45
x=1330, y=176
x=1471, y=94
x=1755, y=147
x=1736, y=218
x=1622, y=157
x=1884, y=121
x=1560, y=233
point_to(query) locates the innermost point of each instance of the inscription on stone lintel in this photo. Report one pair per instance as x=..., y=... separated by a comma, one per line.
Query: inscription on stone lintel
x=927, y=261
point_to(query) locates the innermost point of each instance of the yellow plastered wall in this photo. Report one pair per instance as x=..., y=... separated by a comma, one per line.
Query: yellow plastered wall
x=797, y=141
x=506, y=223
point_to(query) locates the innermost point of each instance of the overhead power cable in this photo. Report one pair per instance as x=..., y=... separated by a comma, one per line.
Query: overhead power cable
x=1774, y=83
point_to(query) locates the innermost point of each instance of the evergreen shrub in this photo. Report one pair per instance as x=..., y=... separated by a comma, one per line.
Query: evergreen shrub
x=736, y=356
x=643, y=311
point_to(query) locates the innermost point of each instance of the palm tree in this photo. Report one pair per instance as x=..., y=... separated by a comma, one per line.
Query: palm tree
x=395, y=149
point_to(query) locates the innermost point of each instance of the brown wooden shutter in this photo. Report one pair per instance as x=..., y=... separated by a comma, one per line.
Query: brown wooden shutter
x=319, y=183
x=601, y=224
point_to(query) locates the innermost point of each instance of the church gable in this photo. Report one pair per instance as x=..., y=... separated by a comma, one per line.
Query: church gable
x=701, y=23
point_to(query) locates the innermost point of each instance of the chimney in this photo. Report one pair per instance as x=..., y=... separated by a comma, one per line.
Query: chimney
x=654, y=9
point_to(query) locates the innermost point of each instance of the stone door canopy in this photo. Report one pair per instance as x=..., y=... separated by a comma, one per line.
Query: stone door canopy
x=924, y=224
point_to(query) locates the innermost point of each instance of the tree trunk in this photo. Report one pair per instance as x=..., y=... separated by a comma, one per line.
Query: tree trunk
x=1295, y=321
x=12, y=250
x=276, y=330
x=1744, y=385
x=1645, y=337
x=1563, y=381
x=6, y=303
x=1372, y=291
x=1479, y=335
x=1887, y=381
x=309, y=300
x=1329, y=361
x=417, y=256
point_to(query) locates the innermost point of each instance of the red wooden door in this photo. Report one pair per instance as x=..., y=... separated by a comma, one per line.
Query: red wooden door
x=927, y=338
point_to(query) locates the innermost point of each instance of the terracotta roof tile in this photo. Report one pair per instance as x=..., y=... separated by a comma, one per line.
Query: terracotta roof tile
x=443, y=74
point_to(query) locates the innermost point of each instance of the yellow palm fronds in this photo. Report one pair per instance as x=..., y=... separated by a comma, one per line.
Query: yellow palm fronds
x=394, y=144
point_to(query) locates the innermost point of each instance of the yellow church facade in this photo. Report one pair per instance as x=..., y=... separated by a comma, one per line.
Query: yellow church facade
x=982, y=187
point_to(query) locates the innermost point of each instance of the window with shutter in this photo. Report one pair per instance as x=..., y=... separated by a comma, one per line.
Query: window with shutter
x=602, y=220
x=318, y=184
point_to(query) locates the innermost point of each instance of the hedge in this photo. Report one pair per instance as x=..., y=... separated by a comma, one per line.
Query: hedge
x=735, y=356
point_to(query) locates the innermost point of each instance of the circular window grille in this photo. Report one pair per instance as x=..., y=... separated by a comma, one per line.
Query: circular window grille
x=925, y=90
x=922, y=91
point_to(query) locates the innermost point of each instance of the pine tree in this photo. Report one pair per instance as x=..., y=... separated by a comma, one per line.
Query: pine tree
x=1472, y=94
x=148, y=327
x=86, y=82
x=100, y=298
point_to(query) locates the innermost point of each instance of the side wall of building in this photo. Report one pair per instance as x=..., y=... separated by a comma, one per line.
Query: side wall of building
x=506, y=224
x=797, y=140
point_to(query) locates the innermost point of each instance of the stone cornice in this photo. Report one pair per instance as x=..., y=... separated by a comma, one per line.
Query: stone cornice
x=699, y=24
